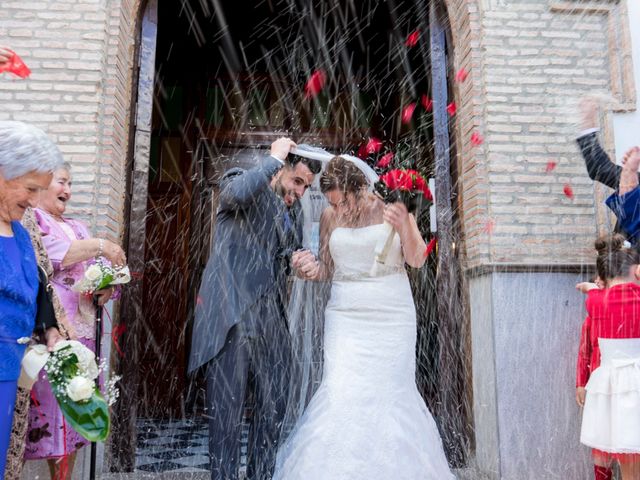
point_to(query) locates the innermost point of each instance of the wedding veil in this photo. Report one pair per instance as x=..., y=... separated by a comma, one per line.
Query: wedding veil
x=308, y=299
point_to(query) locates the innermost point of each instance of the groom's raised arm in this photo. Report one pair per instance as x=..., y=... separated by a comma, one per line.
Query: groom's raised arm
x=239, y=187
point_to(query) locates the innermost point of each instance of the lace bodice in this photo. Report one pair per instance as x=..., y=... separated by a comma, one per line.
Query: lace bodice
x=353, y=252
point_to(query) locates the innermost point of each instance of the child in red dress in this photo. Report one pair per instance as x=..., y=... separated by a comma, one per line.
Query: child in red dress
x=608, y=370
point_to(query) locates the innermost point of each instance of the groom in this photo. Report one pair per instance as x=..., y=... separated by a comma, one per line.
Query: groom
x=240, y=330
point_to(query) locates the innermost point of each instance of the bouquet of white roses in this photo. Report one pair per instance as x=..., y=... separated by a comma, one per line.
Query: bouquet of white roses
x=101, y=275
x=72, y=372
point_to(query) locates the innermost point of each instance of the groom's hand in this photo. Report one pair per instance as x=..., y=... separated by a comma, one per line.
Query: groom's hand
x=281, y=148
x=305, y=264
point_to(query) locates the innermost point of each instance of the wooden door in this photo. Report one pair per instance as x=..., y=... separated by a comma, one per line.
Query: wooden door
x=161, y=346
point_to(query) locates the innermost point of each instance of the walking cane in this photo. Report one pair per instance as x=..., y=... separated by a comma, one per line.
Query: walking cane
x=99, y=311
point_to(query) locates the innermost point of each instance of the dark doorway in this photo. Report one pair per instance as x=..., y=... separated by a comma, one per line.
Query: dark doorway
x=230, y=77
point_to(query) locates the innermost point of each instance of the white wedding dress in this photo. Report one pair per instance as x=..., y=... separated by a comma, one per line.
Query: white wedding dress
x=367, y=420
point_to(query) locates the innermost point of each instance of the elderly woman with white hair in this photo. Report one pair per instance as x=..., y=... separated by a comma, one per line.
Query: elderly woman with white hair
x=28, y=159
x=71, y=249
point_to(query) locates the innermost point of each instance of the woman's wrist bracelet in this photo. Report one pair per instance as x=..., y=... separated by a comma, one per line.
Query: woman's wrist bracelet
x=100, y=247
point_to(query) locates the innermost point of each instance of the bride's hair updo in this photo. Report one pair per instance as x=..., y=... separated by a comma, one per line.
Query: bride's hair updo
x=614, y=257
x=342, y=175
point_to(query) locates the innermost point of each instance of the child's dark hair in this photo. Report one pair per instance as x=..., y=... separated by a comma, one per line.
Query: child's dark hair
x=614, y=258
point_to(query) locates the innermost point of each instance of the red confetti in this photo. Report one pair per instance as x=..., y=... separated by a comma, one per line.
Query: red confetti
x=489, y=226
x=430, y=246
x=551, y=165
x=412, y=39
x=451, y=108
x=568, y=191
x=476, y=139
x=137, y=275
x=315, y=84
x=385, y=160
x=462, y=75
x=373, y=145
x=407, y=113
x=199, y=300
x=16, y=66
x=427, y=103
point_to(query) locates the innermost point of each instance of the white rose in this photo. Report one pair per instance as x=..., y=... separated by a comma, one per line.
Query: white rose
x=80, y=389
x=86, y=360
x=93, y=273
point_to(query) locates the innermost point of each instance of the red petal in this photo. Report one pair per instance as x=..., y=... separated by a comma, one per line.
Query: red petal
x=451, y=108
x=199, y=300
x=315, y=84
x=16, y=66
x=427, y=103
x=430, y=246
x=462, y=75
x=412, y=39
x=373, y=145
x=407, y=113
x=568, y=191
x=476, y=139
x=489, y=226
x=551, y=165
x=385, y=160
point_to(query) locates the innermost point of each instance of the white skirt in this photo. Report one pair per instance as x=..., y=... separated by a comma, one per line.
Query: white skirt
x=611, y=416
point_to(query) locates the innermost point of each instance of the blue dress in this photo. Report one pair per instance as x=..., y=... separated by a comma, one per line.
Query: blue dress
x=627, y=208
x=18, y=293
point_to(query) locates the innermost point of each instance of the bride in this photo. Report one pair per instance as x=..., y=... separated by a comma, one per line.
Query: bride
x=367, y=420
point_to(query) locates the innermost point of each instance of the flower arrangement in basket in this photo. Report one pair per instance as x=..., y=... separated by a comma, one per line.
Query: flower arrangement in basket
x=406, y=186
x=101, y=275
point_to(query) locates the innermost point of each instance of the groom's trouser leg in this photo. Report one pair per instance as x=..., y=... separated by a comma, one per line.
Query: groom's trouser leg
x=226, y=385
x=271, y=364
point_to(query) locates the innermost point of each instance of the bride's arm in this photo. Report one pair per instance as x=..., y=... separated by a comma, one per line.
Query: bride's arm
x=413, y=245
x=325, y=262
x=318, y=269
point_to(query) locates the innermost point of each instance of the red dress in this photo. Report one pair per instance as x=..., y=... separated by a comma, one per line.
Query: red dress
x=611, y=313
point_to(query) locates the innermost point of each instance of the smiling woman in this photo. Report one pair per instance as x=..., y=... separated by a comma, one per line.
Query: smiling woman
x=27, y=160
x=71, y=250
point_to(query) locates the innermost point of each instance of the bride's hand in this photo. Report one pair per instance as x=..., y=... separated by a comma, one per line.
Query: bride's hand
x=305, y=264
x=300, y=257
x=397, y=215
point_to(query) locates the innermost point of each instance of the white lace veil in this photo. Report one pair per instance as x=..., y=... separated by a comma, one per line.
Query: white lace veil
x=308, y=299
x=315, y=153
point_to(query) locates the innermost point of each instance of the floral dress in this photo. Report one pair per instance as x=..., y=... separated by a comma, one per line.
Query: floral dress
x=49, y=435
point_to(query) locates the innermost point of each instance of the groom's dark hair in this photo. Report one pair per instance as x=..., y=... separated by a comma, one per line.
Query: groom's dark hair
x=313, y=165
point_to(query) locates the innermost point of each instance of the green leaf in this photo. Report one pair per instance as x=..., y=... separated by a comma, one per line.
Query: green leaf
x=106, y=281
x=90, y=419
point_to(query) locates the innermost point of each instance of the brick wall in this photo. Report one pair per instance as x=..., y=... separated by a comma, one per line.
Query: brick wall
x=530, y=61
x=80, y=53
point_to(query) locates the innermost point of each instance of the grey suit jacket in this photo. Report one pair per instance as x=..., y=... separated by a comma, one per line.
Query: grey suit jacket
x=249, y=256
